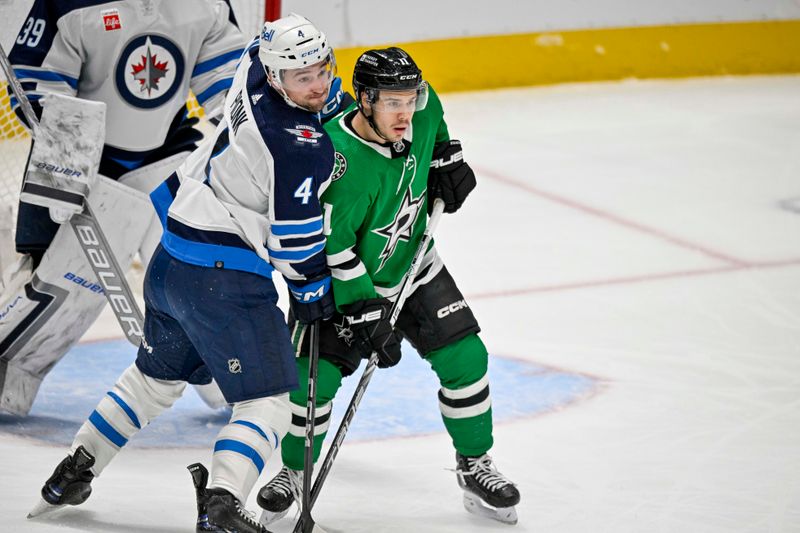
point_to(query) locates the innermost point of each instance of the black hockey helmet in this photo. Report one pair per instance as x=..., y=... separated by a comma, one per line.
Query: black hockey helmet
x=388, y=69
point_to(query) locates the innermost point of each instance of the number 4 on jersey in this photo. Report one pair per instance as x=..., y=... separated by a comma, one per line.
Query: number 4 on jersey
x=304, y=191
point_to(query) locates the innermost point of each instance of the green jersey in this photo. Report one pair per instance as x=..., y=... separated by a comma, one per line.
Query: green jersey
x=376, y=205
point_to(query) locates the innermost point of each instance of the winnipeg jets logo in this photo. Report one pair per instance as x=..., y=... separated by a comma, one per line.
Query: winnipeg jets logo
x=343, y=332
x=400, y=228
x=305, y=134
x=149, y=71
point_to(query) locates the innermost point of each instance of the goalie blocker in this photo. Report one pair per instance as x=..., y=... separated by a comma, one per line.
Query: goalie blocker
x=65, y=155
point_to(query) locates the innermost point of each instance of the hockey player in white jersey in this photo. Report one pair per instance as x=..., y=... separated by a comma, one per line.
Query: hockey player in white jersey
x=245, y=203
x=141, y=58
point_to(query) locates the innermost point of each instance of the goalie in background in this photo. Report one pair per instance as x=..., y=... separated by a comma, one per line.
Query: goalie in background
x=140, y=58
x=394, y=155
x=244, y=204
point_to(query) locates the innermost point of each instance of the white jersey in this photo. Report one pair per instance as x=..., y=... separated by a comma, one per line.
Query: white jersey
x=248, y=198
x=140, y=57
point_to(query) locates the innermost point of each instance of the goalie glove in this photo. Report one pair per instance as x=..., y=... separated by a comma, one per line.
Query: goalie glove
x=312, y=300
x=450, y=177
x=369, y=322
x=65, y=156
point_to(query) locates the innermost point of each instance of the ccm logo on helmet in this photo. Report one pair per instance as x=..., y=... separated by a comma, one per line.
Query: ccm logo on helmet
x=408, y=77
x=452, y=308
x=310, y=52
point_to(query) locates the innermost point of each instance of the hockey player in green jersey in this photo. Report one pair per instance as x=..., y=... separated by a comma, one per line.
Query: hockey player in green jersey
x=394, y=155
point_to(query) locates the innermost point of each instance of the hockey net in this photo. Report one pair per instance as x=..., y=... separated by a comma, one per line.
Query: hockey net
x=15, y=139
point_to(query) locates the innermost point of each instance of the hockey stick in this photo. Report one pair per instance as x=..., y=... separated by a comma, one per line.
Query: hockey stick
x=90, y=236
x=306, y=523
x=324, y=469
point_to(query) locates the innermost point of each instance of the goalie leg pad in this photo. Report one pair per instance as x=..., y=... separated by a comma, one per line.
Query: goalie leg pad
x=50, y=312
x=129, y=406
x=245, y=445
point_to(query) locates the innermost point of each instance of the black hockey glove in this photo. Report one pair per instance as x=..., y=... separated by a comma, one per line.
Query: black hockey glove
x=369, y=322
x=312, y=300
x=449, y=178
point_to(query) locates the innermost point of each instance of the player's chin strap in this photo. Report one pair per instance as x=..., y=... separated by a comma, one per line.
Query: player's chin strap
x=405, y=290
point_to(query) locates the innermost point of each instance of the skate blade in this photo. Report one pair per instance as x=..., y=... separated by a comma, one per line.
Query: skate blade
x=473, y=504
x=268, y=517
x=43, y=509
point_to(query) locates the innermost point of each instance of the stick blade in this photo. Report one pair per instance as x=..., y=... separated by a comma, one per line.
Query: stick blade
x=307, y=525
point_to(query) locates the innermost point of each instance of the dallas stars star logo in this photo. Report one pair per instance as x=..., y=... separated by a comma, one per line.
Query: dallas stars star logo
x=149, y=71
x=400, y=228
x=344, y=332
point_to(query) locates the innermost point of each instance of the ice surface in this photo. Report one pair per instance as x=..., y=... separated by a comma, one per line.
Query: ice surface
x=635, y=234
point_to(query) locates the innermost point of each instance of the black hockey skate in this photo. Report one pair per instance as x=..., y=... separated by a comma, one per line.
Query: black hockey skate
x=218, y=509
x=486, y=491
x=70, y=483
x=277, y=496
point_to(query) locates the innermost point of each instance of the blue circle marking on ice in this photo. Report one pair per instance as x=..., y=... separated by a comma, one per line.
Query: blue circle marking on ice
x=400, y=402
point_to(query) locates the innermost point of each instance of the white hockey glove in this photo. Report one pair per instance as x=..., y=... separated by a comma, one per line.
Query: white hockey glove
x=66, y=154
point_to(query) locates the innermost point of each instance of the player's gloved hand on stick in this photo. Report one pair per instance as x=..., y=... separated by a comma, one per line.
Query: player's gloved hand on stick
x=369, y=322
x=449, y=178
x=312, y=300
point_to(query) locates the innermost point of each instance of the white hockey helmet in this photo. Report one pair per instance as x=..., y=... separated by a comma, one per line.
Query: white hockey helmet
x=292, y=42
